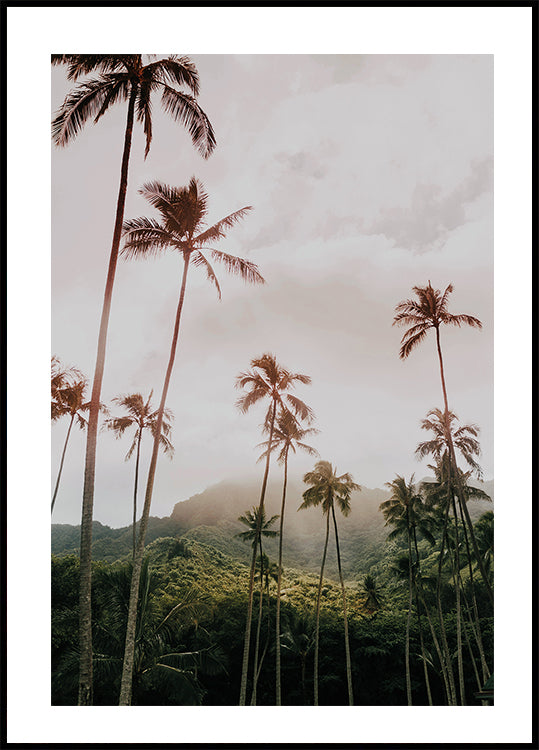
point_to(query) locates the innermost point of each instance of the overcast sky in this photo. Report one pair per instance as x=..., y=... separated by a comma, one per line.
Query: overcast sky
x=368, y=174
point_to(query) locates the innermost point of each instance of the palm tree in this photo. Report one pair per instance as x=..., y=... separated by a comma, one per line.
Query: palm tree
x=268, y=571
x=141, y=416
x=182, y=229
x=164, y=666
x=327, y=489
x=430, y=311
x=69, y=399
x=405, y=512
x=298, y=640
x=440, y=495
x=267, y=380
x=119, y=78
x=250, y=519
x=373, y=595
x=61, y=377
x=288, y=435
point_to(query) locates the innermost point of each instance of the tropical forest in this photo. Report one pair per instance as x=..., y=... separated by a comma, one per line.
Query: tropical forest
x=274, y=503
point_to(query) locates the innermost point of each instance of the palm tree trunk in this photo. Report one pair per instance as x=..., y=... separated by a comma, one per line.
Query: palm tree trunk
x=129, y=653
x=85, y=596
x=266, y=644
x=452, y=695
x=407, y=642
x=453, y=459
x=135, y=492
x=456, y=564
x=247, y=639
x=346, y=639
x=62, y=463
x=476, y=629
x=278, y=611
x=419, y=624
x=258, y=626
x=317, y=627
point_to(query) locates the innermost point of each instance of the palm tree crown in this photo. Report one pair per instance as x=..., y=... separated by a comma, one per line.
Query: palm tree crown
x=428, y=311
x=327, y=489
x=464, y=438
x=141, y=416
x=269, y=379
x=251, y=520
x=182, y=228
x=121, y=76
x=405, y=510
x=288, y=435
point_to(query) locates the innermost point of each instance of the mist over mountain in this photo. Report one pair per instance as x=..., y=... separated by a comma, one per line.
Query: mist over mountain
x=211, y=517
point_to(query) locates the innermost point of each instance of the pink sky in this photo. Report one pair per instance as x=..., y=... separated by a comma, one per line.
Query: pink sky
x=368, y=174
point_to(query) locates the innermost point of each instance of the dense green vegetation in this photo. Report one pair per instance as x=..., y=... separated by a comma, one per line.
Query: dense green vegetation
x=209, y=588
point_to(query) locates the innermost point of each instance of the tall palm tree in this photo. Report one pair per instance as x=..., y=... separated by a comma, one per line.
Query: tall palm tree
x=119, y=78
x=141, y=416
x=430, y=311
x=250, y=519
x=266, y=381
x=69, y=399
x=327, y=489
x=298, y=639
x=405, y=512
x=181, y=229
x=453, y=481
x=268, y=571
x=288, y=435
x=440, y=495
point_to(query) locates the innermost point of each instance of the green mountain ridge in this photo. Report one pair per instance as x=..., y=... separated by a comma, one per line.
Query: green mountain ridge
x=210, y=518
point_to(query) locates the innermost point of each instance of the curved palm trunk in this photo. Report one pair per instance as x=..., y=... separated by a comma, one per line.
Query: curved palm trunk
x=129, y=653
x=317, y=627
x=460, y=493
x=135, y=492
x=346, y=639
x=278, y=611
x=62, y=463
x=85, y=595
x=247, y=639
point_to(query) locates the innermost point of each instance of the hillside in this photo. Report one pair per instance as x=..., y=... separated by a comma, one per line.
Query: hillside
x=211, y=519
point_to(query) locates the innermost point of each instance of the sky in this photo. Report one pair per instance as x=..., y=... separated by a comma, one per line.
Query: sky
x=346, y=219
x=367, y=175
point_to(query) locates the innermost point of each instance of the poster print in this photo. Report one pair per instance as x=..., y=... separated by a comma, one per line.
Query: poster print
x=348, y=194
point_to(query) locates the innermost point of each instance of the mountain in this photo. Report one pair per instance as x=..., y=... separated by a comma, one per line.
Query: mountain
x=210, y=517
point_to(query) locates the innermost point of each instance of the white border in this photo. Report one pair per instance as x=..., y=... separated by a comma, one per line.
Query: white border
x=32, y=34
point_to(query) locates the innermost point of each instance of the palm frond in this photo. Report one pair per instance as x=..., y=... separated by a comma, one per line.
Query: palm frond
x=198, y=259
x=175, y=69
x=247, y=270
x=81, y=104
x=459, y=320
x=145, y=237
x=216, y=232
x=410, y=344
x=185, y=109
